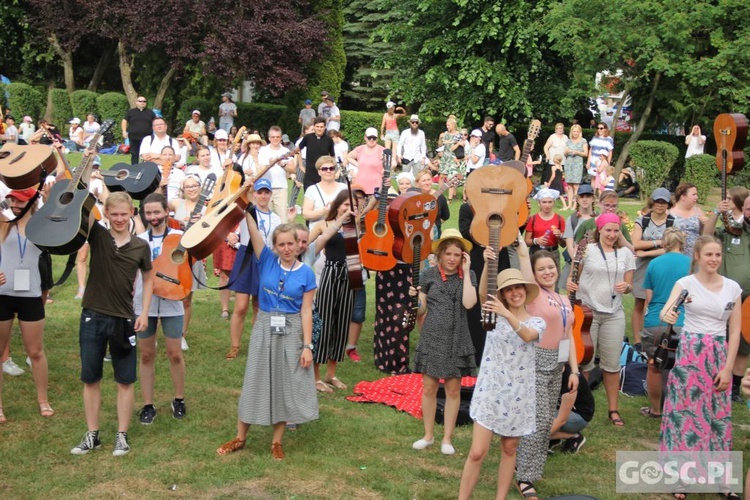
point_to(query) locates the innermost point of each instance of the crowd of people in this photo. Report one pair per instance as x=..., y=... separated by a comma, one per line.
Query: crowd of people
x=289, y=259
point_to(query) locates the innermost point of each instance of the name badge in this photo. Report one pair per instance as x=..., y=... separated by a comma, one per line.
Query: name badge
x=563, y=351
x=21, y=280
x=735, y=241
x=278, y=324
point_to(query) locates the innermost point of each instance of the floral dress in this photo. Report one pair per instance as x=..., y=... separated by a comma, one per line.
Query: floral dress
x=504, y=398
x=448, y=165
x=574, y=163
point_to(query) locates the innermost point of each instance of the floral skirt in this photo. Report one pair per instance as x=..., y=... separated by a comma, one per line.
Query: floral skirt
x=696, y=416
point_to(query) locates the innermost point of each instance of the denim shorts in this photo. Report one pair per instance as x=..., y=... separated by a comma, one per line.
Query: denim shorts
x=93, y=338
x=359, y=308
x=575, y=424
x=170, y=325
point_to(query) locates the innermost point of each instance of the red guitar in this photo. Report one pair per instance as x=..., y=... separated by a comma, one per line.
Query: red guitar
x=583, y=316
x=411, y=216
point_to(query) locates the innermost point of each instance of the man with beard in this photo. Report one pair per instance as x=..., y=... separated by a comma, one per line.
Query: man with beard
x=411, y=151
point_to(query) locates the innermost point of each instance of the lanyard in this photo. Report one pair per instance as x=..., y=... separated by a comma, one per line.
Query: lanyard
x=262, y=223
x=444, y=277
x=611, y=284
x=563, y=309
x=21, y=249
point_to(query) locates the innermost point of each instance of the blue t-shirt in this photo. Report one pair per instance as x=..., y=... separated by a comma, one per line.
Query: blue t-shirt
x=661, y=275
x=282, y=290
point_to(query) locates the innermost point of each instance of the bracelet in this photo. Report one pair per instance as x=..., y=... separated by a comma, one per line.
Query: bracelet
x=516, y=330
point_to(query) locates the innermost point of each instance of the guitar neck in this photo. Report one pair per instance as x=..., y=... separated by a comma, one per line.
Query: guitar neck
x=492, y=265
x=528, y=145
x=416, y=262
x=574, y=279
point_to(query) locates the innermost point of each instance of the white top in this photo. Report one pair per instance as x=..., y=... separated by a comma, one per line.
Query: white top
x=27, y=130
x=321, y=199
x=75, y=135
x=203, y=173
x=226, y=110
x=412, y=146
x=218, y=158
x=153, y=144
x=159, y=307
x=695, y=147
x=267, y=223
x=599, y=277
x=248, y=164
x=11, y=134
x=277, y=174
x=334, y=124
x=478, y=150
x=174, y=184
x=707, y=312
x=557, y=147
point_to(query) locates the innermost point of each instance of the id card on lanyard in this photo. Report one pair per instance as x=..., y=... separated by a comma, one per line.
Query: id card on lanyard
x=21, y=275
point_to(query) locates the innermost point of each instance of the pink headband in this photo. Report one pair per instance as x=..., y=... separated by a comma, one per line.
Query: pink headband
x=605, y=219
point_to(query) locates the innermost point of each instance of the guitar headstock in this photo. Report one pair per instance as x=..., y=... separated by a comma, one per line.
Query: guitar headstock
x=106, y=125
x=387, y=159
x=581, y=248
x=534, y=128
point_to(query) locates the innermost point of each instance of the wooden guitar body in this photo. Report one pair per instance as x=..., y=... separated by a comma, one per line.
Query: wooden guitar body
x=411, y=216
x=227, y=185
x=205, y=236
x=61, y=225
x=584, y=345
x=174, y=277
x=23, y=167
x=730, y=133
x=376, y=245
x=496, y=194
x=138, y=180
x=745, y=328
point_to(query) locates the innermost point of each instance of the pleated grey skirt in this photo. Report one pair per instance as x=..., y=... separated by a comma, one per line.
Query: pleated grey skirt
x=276, y=388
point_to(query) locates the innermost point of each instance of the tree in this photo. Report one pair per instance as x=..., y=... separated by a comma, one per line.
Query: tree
x=473, y=57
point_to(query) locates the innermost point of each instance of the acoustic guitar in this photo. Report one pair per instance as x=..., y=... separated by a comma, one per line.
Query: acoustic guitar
x=351, y=242
x=730, y=134
x=534, y=128
x=411, y=216
x=174, y=276
x=665, y=353
x=496, y=193
x=582, y=315
x=61, y=225
x=205, y=236
x=138, y=180
x=23, y=167
x=745, y=326
x=376, y=245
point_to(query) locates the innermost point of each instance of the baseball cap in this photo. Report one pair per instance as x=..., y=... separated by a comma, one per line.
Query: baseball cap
x=196, y=112
x=390, y=104
x=22, y=194
x=661, y=194
x=284, y=138
x=323, y=93
x=77, y=121
x=308, y=101
x=476, y=133
x=262, y=183
x=221, y=134
x=371, y=131
x=585, y=189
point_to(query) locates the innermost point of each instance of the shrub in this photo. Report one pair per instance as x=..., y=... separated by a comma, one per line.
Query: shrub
x=656, y=158
x=701, y=170
x=62, y=111
x=187, y=106
x=742, y=176
x=84, y=103
x=113, y=105
x=255, y=115
x=25, y=100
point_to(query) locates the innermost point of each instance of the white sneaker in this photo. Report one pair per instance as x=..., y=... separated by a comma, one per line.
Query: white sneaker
x=421, y=444
x=185, y=347
x=447, y=449
x=28, y=360
x=12, y=369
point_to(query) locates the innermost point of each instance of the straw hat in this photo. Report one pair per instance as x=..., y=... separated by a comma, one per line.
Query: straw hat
x=451, y=234
x=254, y=138
x=510, y=277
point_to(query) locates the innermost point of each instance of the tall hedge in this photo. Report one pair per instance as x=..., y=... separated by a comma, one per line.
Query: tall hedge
x=113, y=105
x=187, y=106
x=25, y=100
x=84, y=103
x=701, y=170
x=62, y=111
x=656, y=159
x=328, y=73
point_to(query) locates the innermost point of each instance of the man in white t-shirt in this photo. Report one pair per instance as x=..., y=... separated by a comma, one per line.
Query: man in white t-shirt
x=476, y=152
x=411, y=151
x=333, y=121
x=196, y=128
x=11, y=132
x=152, y=145
x=278, y=173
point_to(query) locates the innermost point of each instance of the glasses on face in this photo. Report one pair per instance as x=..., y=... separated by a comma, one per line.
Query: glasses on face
x=327, y=169
x=609, y=206
x=221, y=140
x=141, y=100
x=193, y=186
x=371, y=138
x=414, y=123
x=600, y=128
x=465, y=135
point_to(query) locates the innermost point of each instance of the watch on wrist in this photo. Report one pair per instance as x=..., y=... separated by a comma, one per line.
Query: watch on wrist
x=308, y=346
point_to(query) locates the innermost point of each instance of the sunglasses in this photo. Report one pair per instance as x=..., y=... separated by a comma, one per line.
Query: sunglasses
x=600, y=128
x=414, y=123
x=371, y=138
x=141, y=100
x=327, y=169
x=221, y=140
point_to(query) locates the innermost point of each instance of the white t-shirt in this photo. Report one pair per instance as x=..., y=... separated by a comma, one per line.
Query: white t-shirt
x=153, y=144
x=707, y=312
x=176, y=176
x=478, y=150
x=218, y=158
x=334, y=124
x=27, y=130
x=76, y=135
x=203, y=173
x=277, y=174
x=599, y=277
x=226, y=110
x=11, y=134
x=267, y=223
x=321, y=199
x=695, y=147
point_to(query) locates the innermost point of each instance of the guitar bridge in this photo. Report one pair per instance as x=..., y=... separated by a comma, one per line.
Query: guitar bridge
x=57, y=218
x=497, y=191
x=169, y=279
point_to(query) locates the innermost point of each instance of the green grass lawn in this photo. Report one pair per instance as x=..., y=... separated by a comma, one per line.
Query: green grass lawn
x=353, y=451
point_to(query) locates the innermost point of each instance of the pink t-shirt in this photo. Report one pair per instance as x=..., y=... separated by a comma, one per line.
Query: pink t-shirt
x=552, y=307
x=370, y=172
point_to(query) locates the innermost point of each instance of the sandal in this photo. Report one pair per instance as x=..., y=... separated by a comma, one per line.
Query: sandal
x=526, y=489
x=277, y=452
x=617, y=422
x=336, y=383
x=233, y=352
x=321, y=386
x=235, y=444
x=646, y=412
x=46, y=410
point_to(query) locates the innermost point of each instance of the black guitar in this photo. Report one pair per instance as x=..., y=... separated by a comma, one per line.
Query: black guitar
x=138, y=180
x=62, y=224
x=667, y=343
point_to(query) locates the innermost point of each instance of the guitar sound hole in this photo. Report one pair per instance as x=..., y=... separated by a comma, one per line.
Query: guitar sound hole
x=66, y=198
x=495, y=220
x=379, y=229
x=122, y=175
x=178, y=257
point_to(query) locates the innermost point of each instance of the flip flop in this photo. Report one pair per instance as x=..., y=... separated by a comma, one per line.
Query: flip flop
x=336, y=383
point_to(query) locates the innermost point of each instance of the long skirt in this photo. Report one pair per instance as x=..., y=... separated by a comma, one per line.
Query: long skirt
x=696, y=416
x=335, y=302
x=276, y=388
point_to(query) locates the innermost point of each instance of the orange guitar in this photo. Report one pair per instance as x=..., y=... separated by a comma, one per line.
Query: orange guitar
x=411, y=216
x=496, y=193
x=376, y=245
x=583, y=317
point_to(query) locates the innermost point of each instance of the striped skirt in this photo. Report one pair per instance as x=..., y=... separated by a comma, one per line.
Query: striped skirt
x=276, y=388
x=334, y=301
x=696, y=416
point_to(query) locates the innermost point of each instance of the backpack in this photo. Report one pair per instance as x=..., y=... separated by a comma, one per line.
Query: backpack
x=646, y=220
x=633, y=371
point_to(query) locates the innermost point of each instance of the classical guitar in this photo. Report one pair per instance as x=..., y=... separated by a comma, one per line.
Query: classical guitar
x=174, y=276
x=23, y=167
x=534, y=128
x=61, y=225
x=410, y=314
x=376, y=245
x=351, y=243
x=205, y=236
x=138, y=180
x=668, y=342
x=745, y=326
x=582, y=315
x=730, y=133
x=411, y=216
x=496, y=193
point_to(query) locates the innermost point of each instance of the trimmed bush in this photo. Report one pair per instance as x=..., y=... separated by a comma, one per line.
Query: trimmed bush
x=656, y=158
x=187, y=106
x=62, y=111
x=84, y=103
x=25, y=100
x=701, y=170
x=255, y=115
x=113, y=105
